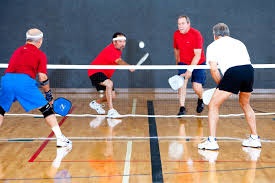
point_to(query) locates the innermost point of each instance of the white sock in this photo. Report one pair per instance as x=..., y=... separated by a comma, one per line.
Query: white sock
x=211, y=138
x=254, y=136
x=56, y=130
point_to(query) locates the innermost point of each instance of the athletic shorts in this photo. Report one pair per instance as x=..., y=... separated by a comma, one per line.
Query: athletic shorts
x=21, y=88
x=238, y=78
x=98, y=78
x=198, y=75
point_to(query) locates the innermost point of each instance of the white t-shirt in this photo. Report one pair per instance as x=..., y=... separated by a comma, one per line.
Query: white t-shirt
x=227, y=52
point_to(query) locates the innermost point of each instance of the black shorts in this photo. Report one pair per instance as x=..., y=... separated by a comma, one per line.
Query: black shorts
x=96, y=79
x=238, y=78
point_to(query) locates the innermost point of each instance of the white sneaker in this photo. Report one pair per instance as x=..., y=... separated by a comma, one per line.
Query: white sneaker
x=96, y=106
x=97, y=121
x=112, y=113
x=210, y=156
x=63, y=142
x=209, y=145
x=113, y=122
x=253, y=153
x=61, y=152
x=250, y=142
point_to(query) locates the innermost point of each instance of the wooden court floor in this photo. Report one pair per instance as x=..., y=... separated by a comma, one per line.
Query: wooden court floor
x=138, y=149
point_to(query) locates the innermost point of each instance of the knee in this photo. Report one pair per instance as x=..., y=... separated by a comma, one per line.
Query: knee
x=2, y=111
x=108, y=83
x=46, y=110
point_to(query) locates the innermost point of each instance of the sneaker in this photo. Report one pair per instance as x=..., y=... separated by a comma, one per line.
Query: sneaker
x=96, y=106
x=200, y=106
x=112, y=113
x=63, y=142
x=182, y=111
x=97, y=121
x=210, y=156
x=209, y=145
x=60, y=154
x=113, y=122
x=250, y=142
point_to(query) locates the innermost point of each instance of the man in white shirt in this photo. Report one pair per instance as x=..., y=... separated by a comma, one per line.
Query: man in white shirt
x=238, y=77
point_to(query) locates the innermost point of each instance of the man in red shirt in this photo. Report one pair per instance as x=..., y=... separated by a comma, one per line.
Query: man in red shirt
x=188, y=50
x=19, y=83
x=101, y=78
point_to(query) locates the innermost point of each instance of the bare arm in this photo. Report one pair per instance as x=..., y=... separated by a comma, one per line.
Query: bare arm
x=45, y=85
x=195, y=61
x=119, y=61
x=43, y=77
x=215, y=71
x=177, y=55
x=197, y=57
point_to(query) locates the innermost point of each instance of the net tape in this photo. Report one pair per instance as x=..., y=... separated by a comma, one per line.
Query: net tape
x=140, y=67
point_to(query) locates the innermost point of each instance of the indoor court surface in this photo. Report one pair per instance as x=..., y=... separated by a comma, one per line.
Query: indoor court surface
x=148, y=145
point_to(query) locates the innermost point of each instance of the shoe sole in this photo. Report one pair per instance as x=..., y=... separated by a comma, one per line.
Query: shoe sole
x=253, y=146
x=64, y=145
x=208, y=149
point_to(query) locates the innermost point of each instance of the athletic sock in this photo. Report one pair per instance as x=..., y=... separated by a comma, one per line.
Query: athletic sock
x=211, y=138
x=254, y=136
x=56, y=130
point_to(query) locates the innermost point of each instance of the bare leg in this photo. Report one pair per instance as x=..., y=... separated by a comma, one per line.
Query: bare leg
x=182, y=93
x=51, y=121
x=1, y=120
x=244, y=100
x=197, y=87
x=109, y=93
x=213, y=114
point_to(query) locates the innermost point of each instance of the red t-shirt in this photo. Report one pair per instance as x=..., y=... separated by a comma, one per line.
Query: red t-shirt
x=28, y=59
x=106, y=57
x=186, y=43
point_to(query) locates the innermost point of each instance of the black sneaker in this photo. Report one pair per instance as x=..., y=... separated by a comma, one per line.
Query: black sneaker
x=182, y=111
x=200, y=106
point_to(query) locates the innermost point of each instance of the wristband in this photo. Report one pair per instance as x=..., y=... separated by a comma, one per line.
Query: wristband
x=43, y=83
x=49, y=96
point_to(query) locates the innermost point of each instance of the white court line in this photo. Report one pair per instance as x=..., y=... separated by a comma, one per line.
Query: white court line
x=126, y=173
x=134, y=106
x=138, y=115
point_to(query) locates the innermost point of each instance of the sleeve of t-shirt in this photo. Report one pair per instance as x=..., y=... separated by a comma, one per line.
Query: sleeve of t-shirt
x=42, y=67
x=210, y=55
x=198, y=41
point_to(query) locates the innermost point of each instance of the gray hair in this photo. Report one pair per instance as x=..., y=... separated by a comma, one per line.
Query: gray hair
x=186, y=17
x=221, y=29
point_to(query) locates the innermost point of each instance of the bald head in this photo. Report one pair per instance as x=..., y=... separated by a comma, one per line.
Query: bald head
x=34, y=35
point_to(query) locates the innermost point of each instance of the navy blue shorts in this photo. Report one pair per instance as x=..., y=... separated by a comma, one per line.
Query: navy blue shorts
x=238, y=78
x=198, y=75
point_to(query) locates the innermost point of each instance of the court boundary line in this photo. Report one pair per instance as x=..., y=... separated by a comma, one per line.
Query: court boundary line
x=140, y=115
x=126, y=138
x=46, y=141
